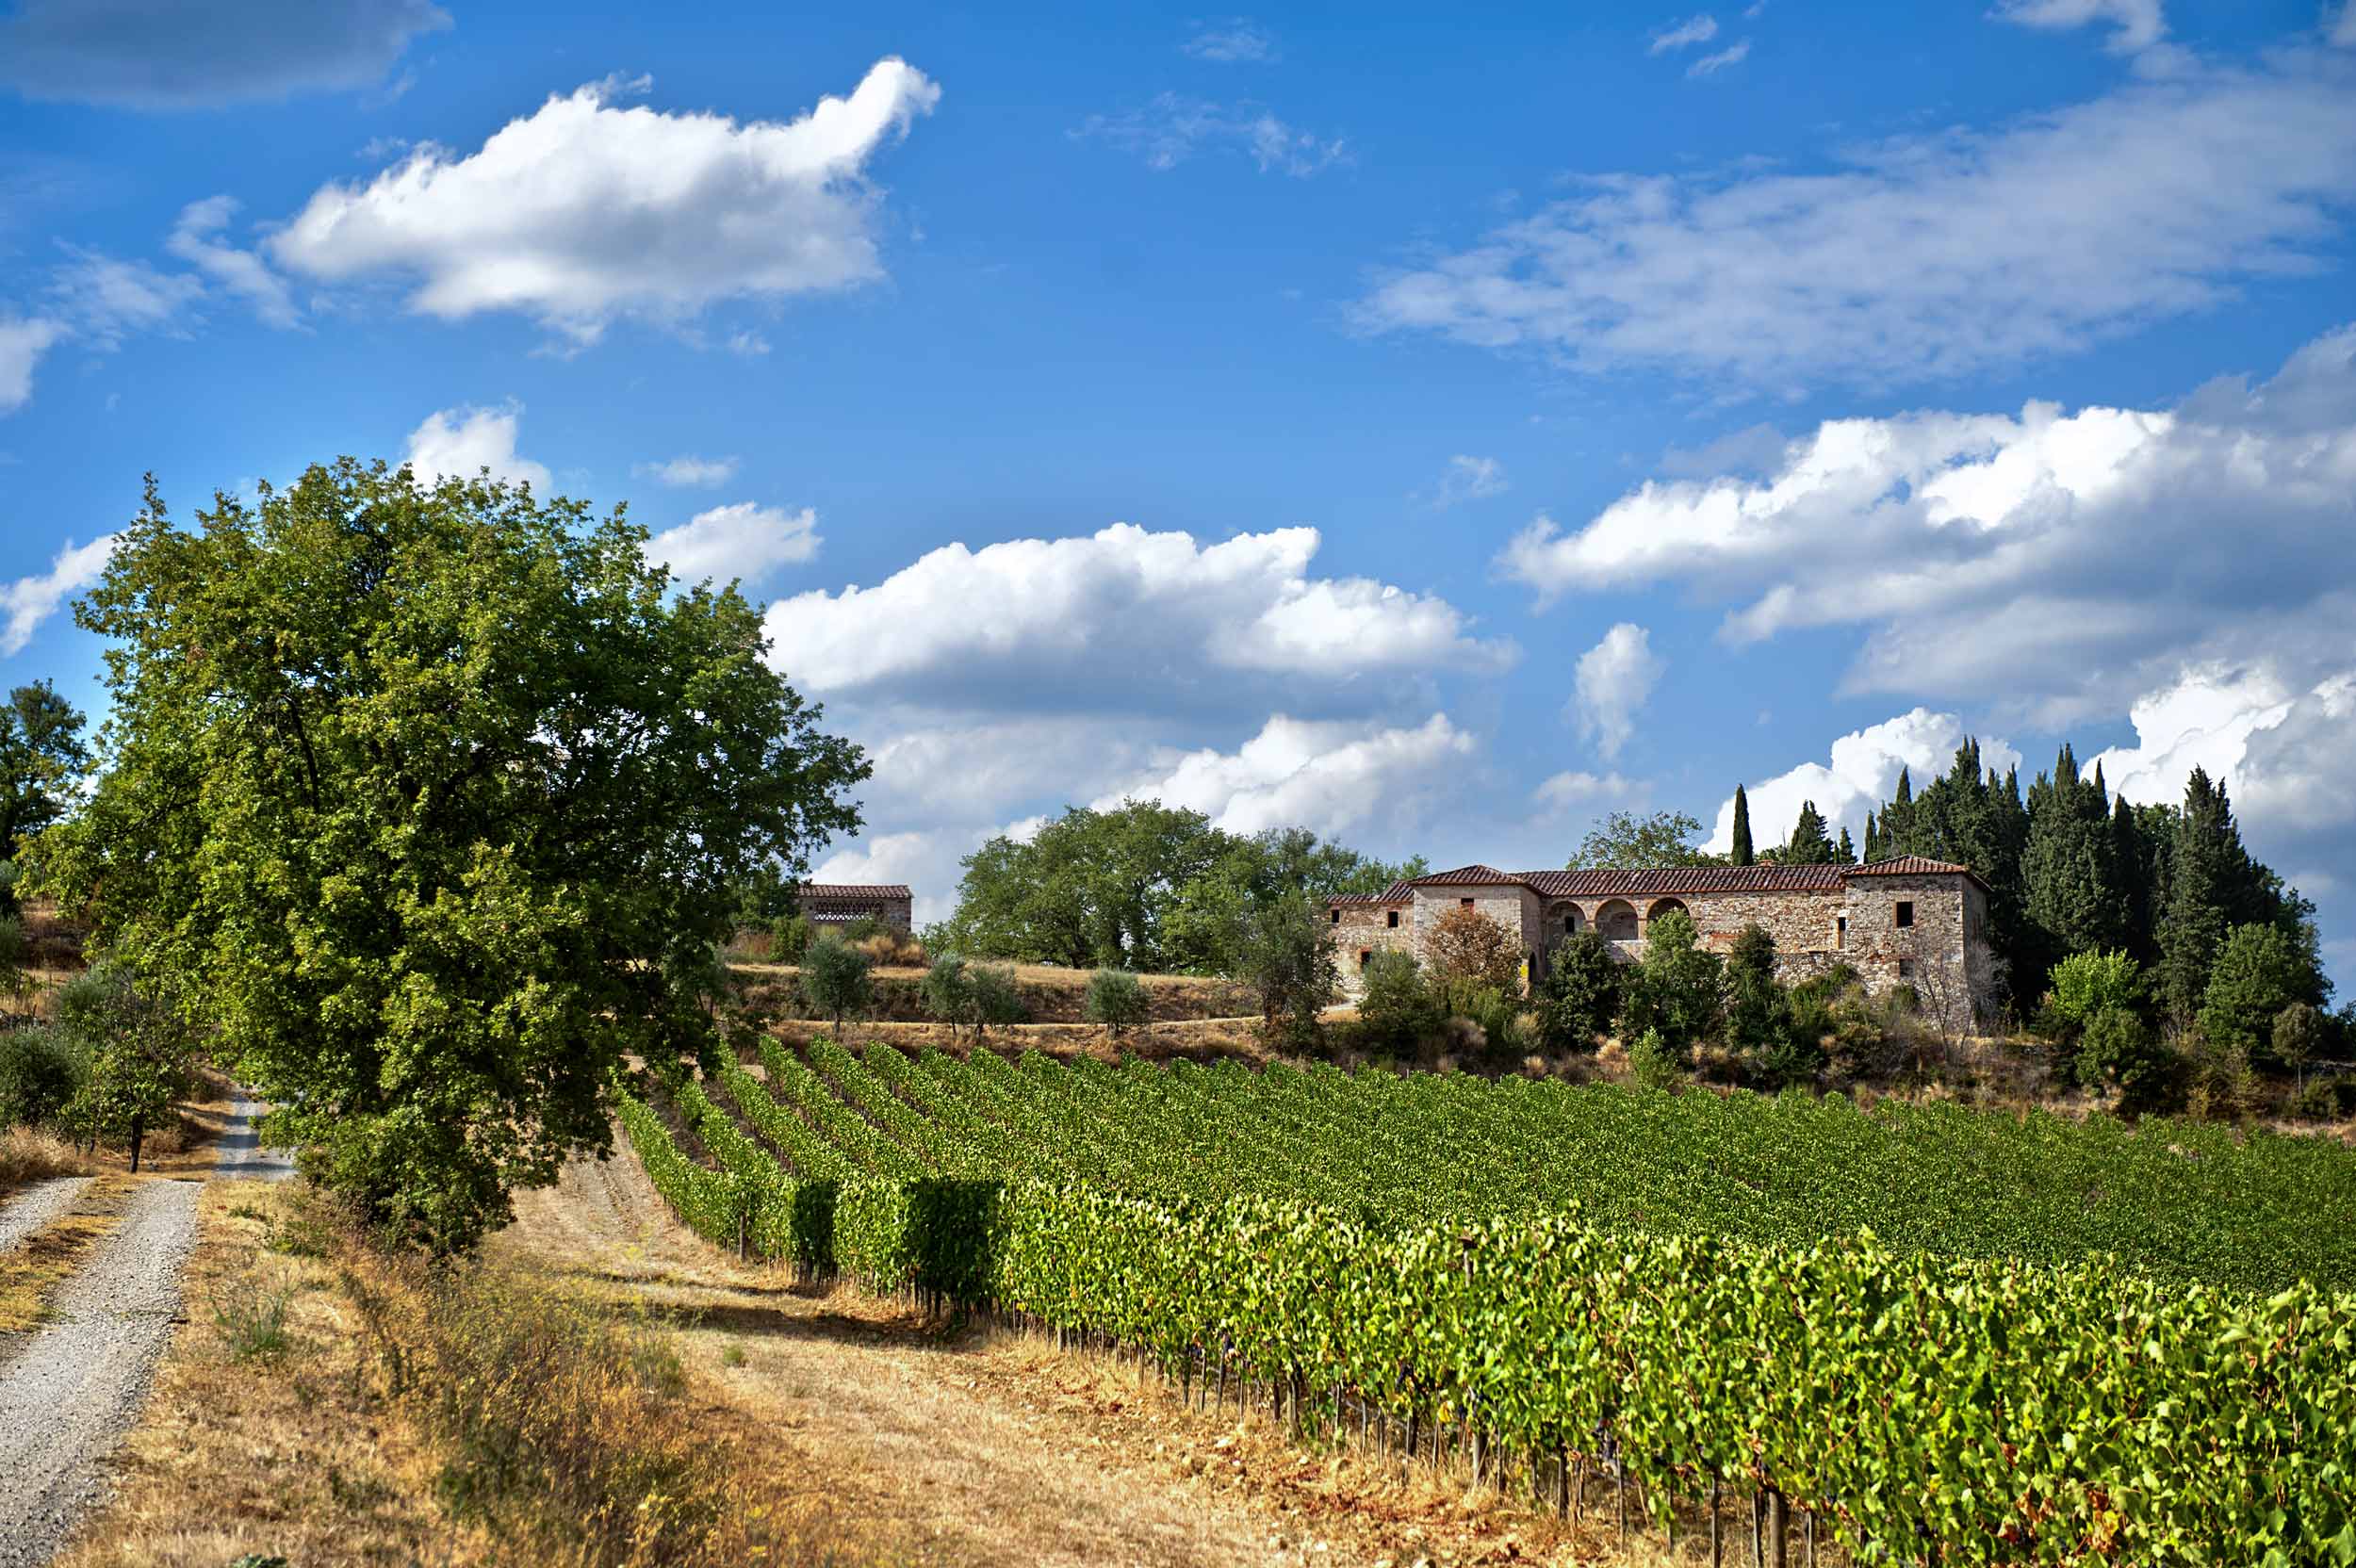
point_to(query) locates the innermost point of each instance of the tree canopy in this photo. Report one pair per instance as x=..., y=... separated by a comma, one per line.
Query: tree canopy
x=1625, y=842
x=42, y=754
x=1143, y=887
x=429, y=804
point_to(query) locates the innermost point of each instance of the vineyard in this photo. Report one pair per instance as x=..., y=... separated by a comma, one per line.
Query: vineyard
x=1932, y=1334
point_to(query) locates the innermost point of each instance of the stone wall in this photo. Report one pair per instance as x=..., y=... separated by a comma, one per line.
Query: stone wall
x=1365, y=928
x=1944, y=955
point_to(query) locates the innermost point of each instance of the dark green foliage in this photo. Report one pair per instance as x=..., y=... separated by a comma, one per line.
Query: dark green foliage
x=2119, y=1051
x=42, y=754
x=2073, y=894
x=2299, y=1034
x=428, y=804
x=1652, y=1063
x=837, y=979
x=1142, y=886
x=1675, y=990
x=1284, y=955
x=2215, y=887
x=1844, y=853
x=789, y=938
x=1741, y=854
x=41, y=1072
x=1580, y=994
x=1397, y=1010
x=1810, y=843
x=1757, y=1012
x=2259, y=971
x=1115, y=999
x=1626, y=842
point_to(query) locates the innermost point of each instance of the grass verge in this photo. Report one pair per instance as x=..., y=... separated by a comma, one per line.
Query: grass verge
x=27, y=1155
x=31, y=1272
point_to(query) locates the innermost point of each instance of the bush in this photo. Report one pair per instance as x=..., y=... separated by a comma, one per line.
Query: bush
x=2119, y=1051
x=1495, y=1013
x=966, y=995
x=1284, y=954
x=1580, y=994
x=836, y=979
x=1466, y=946
x=996, y=998
x=1396, y=1011
x=2086, y=983
x=40, y=1072
x=1652, y=1063
x=2325, y=1099
x=789, y=939
x=1674, y=988
x=2299, y=1031
x=1117, y=1000
x=2259, y=971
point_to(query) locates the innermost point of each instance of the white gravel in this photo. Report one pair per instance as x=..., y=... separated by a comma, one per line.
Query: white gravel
x=69, y=1389
x=35, y=1206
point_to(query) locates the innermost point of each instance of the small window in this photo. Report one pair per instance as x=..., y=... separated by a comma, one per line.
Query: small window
x=1570, y=925
x=1365, y=956
x=1905, y=969
x=1905, y=913
x=1394, y=920
x=1463, y=904
x=1840, y=932
x=1337, y=917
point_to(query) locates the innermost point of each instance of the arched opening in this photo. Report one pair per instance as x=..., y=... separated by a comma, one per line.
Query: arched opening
x=1617, y=921
x=1663, y=905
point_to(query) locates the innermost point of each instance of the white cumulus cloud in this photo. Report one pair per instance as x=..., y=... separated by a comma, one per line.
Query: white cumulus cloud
x=1330, y=775
x=1124, y=616
x=2061, y=558
x=1861, y=773
x=2137, y=23
x=456, y=443
x=1614, y=681
x=744, y=541
x=1926, y=257
x=30, y=600
x=587, y=209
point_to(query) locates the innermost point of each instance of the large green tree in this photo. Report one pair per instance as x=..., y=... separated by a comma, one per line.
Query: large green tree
x=1625, y=842
x=42, y=754
x=1810, y=843
x=429, y=804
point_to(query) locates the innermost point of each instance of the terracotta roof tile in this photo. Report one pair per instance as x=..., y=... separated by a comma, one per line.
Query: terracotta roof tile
x=854, y=890
x=1908, y=865
x=1684, y=879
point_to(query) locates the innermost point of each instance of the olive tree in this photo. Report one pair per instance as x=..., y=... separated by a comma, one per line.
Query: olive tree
x=426, y=803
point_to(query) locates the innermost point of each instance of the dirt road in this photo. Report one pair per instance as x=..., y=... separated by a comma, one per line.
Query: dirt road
x=69, y=1389
x=974, y=1448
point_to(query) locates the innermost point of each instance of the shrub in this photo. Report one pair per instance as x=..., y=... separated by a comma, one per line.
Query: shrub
x=789, y=939
x=2297, y=1037
x=1117, y=1000
x=2119, y=1050
x=966, y=995
x=2259, y=971
x=2086, y=983
x=836, y=979
x=1580, y=994
x=1757, y=1015
x=1285, y=954
x=1674, y=988
x=996, y=999
x=1467, y=946
x=1652, y=1063
x=2325, y=1099
x=40, y=1072
x=1397, y=1010
x=249, y=1317
x=1495, y=1013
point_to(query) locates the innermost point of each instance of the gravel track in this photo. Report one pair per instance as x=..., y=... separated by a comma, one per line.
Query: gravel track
x=69, y=1389
x=37, y=1205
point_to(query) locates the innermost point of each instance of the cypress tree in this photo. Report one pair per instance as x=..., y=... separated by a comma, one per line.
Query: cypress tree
x=1873, y=844
x=2205, y=862
x=2067, y=872
x=1742, y=853
x=1845, y=852
x=1809, y=844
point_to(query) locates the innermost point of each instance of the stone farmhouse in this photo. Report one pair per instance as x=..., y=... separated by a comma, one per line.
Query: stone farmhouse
x=1912, y=921
x=890, y=904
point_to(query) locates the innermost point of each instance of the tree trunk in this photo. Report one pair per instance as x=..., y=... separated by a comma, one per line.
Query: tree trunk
x=139, y=1131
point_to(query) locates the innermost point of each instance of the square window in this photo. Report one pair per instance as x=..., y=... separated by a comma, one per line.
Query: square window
x=1905, y=969
x=1394, y=920
x=1337, y=917
x=1364, y=954
x=1463, y=904
x=1905, y=913
x=1570, y=925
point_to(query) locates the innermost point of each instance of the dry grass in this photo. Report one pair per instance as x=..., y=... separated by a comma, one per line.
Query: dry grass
x=29, y=1154
x=31, y=1270
x=1053, y=993
x=327, y=1404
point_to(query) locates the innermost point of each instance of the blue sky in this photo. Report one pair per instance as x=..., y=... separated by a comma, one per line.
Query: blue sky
x=1436, y=433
